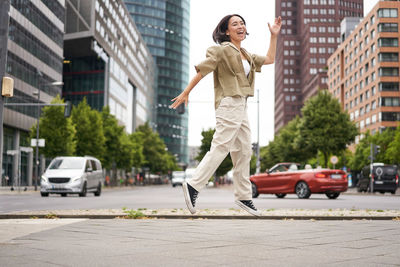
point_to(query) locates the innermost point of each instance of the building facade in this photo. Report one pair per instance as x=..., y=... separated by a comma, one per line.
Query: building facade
x=363, y=72
x=34, y=61
x=164, y=25
x=107, y=62
x=310, y=34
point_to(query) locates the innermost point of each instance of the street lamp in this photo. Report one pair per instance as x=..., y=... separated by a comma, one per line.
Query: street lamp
x=37, y=121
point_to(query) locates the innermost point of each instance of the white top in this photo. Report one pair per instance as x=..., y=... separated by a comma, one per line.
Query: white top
x=246, y=66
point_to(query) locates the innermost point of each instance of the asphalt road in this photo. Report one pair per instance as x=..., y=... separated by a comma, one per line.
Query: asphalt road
x=165, y=196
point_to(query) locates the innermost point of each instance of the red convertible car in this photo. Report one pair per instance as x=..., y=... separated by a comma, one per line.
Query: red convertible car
x=287, y=178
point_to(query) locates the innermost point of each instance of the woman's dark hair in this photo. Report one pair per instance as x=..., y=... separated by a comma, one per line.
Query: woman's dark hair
x=219, y=34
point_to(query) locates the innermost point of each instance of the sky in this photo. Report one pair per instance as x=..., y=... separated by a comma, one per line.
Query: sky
x=204, y=16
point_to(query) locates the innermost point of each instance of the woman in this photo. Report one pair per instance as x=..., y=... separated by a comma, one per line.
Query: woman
x=234, y=70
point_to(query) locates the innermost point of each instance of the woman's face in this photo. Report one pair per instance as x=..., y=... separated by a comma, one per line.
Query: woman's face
x=236, y=29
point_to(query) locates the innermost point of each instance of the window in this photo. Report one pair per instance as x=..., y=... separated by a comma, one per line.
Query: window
x=389, y=102
x=388, y=71
x=388, y=57
x=372, y=20
x=387, y=27
x=389, y=86
x=387, y=13
x=390, y=116
x=373, y=62
x=372, y=47
x=373, y=90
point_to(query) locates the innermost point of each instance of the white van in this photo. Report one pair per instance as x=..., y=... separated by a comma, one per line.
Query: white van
x=72, y=175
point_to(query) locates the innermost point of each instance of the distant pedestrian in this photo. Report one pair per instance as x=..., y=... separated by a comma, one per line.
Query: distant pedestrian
x=234, y=71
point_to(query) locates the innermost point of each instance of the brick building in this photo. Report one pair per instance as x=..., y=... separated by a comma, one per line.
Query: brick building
x=363, y=73
x=310, y=34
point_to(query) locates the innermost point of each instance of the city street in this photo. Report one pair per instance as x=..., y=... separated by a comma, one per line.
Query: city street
x=165, y=196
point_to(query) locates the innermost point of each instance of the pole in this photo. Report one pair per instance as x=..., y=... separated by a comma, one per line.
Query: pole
x=371, y=168
x=37, y=134
x=4, y=20
x=258, y=133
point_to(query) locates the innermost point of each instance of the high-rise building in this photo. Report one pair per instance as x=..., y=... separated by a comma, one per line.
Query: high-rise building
x=34, y=61
x=363, y=73
x=310, y=34
x=106, y=61
x=164, y=25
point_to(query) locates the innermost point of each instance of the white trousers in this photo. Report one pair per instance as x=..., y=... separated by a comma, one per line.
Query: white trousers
x=232, y=134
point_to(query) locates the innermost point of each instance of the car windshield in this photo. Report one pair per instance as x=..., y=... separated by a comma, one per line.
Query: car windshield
x=178, y=174
x=67, y=163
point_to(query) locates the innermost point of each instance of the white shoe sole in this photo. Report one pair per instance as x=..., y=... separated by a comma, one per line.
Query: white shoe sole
x=187, y=198
x=251, y=211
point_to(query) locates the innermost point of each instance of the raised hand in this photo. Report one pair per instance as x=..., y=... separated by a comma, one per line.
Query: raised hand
x=274, y=29
x=180, y=99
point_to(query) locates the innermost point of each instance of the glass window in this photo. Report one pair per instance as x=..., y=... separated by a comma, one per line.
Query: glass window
x=387, y=12
x=388, y=57
x=388, y=27
x=388, y=71
x=389, y=86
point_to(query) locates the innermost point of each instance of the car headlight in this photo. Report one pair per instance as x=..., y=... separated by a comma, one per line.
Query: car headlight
x=77, y=179
x=43, y=179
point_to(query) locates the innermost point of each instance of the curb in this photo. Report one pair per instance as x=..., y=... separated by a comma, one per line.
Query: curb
x=191, y=217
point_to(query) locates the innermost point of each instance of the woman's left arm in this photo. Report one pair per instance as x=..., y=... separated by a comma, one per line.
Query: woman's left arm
x=274, y=29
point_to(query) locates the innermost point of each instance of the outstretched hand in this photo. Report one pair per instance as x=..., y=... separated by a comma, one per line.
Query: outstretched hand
x=180, y=99
x=276, y=27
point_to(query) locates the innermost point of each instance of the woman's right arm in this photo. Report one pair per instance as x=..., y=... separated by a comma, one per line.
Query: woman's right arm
x=184, y=96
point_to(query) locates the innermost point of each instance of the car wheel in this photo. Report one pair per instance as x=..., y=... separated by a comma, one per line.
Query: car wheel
x=359, y=190
x=173, y=185
x=63, y=194
x=382, y=192
x=97, y=193
x=254, y=192
x=280, y=195
x=84, y=191
x=393, y=192
x=302, y=190
x=44, y=194
x=332, y=195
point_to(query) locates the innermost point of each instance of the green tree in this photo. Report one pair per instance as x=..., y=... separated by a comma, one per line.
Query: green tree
x=137, y=141
x=57, y=131
x=383, y=139
x=325, y=126
x=89, y=135
x=360, y=158
x=157, y=158
x=205, y=146
x=393, y=150
x=112, y=134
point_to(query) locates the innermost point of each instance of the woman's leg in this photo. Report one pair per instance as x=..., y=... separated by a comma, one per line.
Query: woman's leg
x=229, y=117
x=241, y=156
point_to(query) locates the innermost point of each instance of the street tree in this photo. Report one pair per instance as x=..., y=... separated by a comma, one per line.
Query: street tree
x=362, y=153
x=89, y=135
x=205, y=146
x=57, y=131
x=325, y=126
x=137, y=141
x=157, y=157
x=393, y=150
x=112, y=134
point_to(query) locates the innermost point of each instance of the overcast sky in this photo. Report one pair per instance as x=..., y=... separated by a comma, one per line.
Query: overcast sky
x=204, y=16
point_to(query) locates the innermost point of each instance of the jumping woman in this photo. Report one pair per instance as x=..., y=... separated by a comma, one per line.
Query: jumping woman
x=234, y=71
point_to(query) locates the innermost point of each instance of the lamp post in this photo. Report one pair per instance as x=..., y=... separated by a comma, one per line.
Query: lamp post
x=258, y=132
x=37, y=122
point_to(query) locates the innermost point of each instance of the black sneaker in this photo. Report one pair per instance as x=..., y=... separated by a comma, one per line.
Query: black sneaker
x=190, y=196
x=248, y=206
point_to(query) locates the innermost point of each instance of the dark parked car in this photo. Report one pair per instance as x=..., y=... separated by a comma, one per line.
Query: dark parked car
x=287, y=178
x=385, y=179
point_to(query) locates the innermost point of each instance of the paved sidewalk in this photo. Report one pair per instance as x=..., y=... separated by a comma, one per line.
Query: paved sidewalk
x=121, y=242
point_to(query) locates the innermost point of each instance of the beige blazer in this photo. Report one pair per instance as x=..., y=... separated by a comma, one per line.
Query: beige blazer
x=229, y=76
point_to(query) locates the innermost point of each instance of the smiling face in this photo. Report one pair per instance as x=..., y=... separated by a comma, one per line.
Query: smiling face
x=236, y=29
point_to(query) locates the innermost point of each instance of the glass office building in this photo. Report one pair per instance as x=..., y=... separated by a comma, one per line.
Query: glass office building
x=107, y=62
x=34, y=60
x=164, y=25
